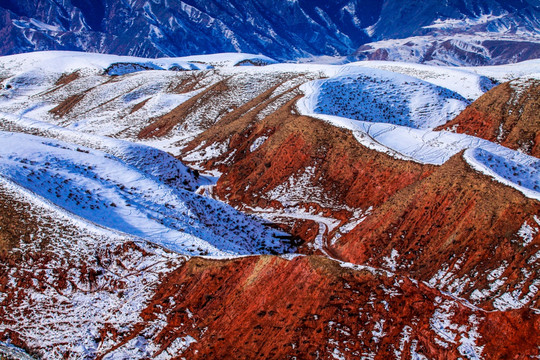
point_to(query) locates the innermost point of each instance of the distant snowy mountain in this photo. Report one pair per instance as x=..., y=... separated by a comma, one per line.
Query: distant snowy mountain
x=282, y=29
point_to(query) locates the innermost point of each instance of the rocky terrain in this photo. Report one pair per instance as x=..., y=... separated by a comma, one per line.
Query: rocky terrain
x=279, y=211
x=478, y=32
x=507, y=115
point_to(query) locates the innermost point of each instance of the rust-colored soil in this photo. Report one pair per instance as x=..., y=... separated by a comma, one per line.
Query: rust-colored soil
x=187, y=84
x=311, y=307
x=138, y=106
x=12, y=228
x=505, y=116
x=67, y=105
x=454, y=218
x=345, y=172
x=67, y=78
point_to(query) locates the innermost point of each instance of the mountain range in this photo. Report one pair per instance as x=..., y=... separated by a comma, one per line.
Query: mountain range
x=456, y=32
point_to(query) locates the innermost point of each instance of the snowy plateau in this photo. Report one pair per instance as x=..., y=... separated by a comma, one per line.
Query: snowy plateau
x=234, y=206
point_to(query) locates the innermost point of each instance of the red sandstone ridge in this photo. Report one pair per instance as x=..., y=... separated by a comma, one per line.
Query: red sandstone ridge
x=341, y=167
x=509, y=114
x=285, y=160
x=314, y=308
x=461, y=231
x=118, y=297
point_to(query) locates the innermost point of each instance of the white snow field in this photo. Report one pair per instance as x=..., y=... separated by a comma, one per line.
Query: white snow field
x=109, y=192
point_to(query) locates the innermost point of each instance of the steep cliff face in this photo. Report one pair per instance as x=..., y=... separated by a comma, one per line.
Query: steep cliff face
x=460, y=231
x=507, y=115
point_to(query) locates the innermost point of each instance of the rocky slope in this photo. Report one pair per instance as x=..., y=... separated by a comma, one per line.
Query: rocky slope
x=507, y=115
x=458, y=230
x=111, y=297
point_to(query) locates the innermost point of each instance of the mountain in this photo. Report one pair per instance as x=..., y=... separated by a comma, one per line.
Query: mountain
x=401, y=19
x=506, y=115
x=455, y=33
x=285, y=30
x=224, y=204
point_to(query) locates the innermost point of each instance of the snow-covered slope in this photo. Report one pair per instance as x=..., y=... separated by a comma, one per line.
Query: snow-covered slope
x=146, y=159
x=69, y=61
x=105, y=190
x=464, y=81
x=396, y=114
x=374, y=95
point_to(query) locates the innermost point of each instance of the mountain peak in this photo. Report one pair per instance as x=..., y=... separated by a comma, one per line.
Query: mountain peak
x=285, y=30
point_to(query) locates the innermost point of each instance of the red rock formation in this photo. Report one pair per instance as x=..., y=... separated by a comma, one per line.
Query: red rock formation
x=345, y=173
x=311, y=307
x=457, y=221
x=508, y=114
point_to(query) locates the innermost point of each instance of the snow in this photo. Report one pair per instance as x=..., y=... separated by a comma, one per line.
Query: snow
x=464, y=23
x=178, y=346
x=527, y=233
x=143, y=182
x=374, y=95
x=391, y=260
x=150, y=160
x=228, y=59
x=534, y=258
x=68, y=61
x=450, y=333
x=522, y=175
x=13, y=352
x=518, y=298
x=462, y=81
x=257, y=143
x=105, y=190
x=503, y=73
x=410, y=135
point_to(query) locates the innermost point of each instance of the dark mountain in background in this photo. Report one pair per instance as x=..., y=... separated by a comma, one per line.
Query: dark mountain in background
x=283, y=29
x=401, y=19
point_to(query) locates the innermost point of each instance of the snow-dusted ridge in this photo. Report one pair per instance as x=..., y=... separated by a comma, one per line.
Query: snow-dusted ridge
x=147, y=159
x=105, y=190
x=67, y=61
x=346, y=101
x=375, y=95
